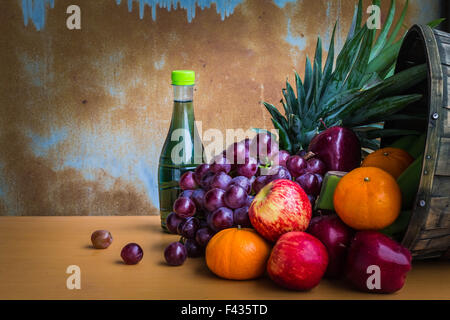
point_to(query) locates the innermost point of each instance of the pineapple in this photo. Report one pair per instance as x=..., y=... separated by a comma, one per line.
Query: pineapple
x=358, y=91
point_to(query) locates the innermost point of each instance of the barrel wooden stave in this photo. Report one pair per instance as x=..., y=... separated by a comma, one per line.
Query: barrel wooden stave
x=428, y=233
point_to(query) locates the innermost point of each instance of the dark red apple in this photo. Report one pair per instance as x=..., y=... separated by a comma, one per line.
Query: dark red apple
x=376, y=263
x=298, y=261
x=338, y=147
x=281, y=206
x=336, y=236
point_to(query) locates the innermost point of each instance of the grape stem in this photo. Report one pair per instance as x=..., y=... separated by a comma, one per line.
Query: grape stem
x=309, y=155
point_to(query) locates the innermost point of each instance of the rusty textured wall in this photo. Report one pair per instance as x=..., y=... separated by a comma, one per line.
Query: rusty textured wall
x=84, y=112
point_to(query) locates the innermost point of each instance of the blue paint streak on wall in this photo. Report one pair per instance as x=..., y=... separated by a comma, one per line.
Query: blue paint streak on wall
x=41, y=145
x=35, y=10
x=294, y=41
x=223, y=7
x=282, y=3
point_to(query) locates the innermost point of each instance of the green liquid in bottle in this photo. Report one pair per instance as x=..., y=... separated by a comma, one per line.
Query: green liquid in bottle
x=182, y=150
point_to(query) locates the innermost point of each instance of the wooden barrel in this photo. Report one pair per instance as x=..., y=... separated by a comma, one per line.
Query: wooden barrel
x=428, y=233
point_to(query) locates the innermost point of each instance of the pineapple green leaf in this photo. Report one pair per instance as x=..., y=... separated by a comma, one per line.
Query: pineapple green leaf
x=343, y=64
x=308, y=75
x=290, y=99
x=369, y=143
x=380, y=109
x=275, y=114
x=359, y=67
x=405, y=79
x=381, y=40
x=398, y=25
x=356, y=21
x=284, y=141
x=318, y=56
x=301, y=95
x=328, y=68
x=435, y=23
x=385, y=59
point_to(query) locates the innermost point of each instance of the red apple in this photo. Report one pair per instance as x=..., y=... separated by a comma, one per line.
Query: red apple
x=281, y=206
x=298, y=261
x=336, y=236
x=376, y=263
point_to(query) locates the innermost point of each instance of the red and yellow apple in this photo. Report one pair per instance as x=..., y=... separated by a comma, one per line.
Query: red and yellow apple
x=298, y=261
x=281, y=206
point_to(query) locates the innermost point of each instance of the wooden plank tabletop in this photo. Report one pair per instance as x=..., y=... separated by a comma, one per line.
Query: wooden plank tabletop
x=36, y=251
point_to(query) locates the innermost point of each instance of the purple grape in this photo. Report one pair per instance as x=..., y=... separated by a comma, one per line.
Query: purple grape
x=302, y=153
x=259, y=183
x=248, y=169
x=132, y=253
x=281, y=158
x=220, y=163
x=203, y=223
x=206, y=180
x=190, y=227
x=238, y=152
x=187, y=181
x=101, y=239
x=235, y=197
x=310, y=183
x=200, y=171
x=296, y=165
x=249, y=200
x=315, y=165
x=312, y=200
x=214, y=199
x=175, y=254
x=180, y=226
x=320, y=178
x=221, y=219
x=242, y=182
x=264, y=146
x=186, y=194
x=198, y=197
x=173, y=221
x=184, y=207
x=203, y=236
x=277, y=172
x=220, y=180
x=240, y=217
x=194, y=250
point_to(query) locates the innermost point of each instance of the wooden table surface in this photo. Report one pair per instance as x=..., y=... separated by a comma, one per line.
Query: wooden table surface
x=36, y=251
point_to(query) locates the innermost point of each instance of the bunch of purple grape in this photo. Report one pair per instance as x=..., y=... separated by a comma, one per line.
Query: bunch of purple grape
x=217, y=196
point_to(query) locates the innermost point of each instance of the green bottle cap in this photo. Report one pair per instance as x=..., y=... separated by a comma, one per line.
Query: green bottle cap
x=183, y=77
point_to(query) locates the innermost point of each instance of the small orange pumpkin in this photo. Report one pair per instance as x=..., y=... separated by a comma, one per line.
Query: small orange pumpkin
x=391, y=160
x=237, y=254
x=367, y=198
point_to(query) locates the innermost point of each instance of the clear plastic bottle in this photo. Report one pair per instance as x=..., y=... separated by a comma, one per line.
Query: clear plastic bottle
x=182, y=149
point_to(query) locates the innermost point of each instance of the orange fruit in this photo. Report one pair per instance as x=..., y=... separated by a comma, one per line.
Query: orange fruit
x=367, y=198
x=237, y=254
x=391, y=160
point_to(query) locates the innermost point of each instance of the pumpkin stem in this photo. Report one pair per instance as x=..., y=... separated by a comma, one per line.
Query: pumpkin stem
x=367, y=179
x=239, y=227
